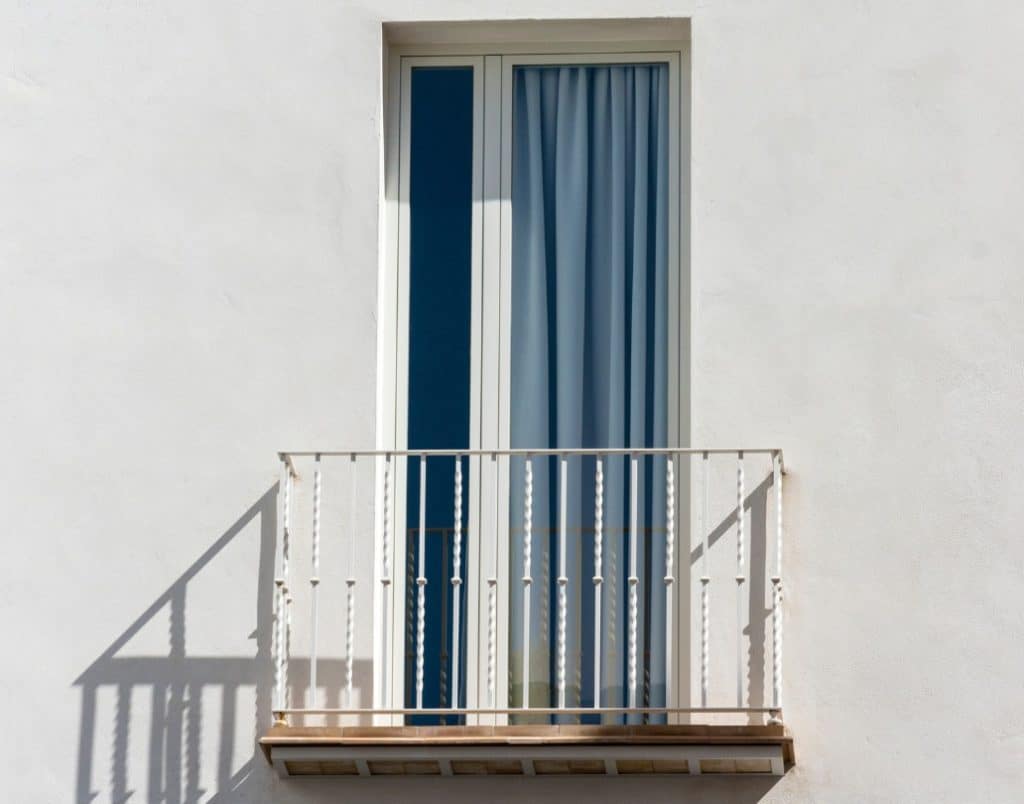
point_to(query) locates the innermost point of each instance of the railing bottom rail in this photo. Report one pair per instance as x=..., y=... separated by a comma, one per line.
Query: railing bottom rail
x=540, y=710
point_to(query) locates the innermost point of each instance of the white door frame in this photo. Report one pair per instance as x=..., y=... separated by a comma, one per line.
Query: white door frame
x=491, y=330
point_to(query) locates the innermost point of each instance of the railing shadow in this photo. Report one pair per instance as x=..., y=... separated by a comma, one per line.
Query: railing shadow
x=180, y=688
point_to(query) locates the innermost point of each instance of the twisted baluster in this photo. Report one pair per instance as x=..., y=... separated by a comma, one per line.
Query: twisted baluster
x=350, y=629
x=634, y=603
x=598, y=520
x=563, y=581
x=492, y=593
x=670, y=521
x=385, y=573
x=740, y=578
x=705, y=581
x=634, y=616
x=350, y=588
x=492, y=634
x=385, y=583
x=421, y=626
x=777, y=594
x=317, y=492
x=456, y=582
x=528, y=521
x=457, y=558
x=286, y=595
x=705, y=639
x=563, y=604
x=278, y=632
x=421, y=585
x=598, y=571
x=670, y=546
x=739, y=516
x=527, y=570
x=776, y=647
x=314, y=583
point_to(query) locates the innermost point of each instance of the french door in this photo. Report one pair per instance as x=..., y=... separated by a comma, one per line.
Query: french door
x=486, y=181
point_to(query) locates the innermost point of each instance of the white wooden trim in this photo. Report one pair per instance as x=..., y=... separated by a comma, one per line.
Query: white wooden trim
x=480, y=505
x=399, y=325
x=387, y=354
x=491, y=307
x=528, y=35
x=682, y=364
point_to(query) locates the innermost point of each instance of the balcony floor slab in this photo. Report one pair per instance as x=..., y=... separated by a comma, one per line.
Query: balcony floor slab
x=309, y=751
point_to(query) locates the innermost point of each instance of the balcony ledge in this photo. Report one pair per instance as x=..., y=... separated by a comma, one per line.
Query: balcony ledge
x=556, y=750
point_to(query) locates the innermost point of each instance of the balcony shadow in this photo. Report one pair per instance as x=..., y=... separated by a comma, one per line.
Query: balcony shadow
x=180, y=689
x=198, y=709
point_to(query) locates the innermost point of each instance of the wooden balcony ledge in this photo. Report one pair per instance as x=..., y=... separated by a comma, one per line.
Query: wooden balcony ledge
x=537, y=750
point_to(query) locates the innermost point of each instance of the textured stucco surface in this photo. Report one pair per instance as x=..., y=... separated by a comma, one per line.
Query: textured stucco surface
x=188, y=246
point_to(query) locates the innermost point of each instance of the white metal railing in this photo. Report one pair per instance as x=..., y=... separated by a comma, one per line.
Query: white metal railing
x=384, y=467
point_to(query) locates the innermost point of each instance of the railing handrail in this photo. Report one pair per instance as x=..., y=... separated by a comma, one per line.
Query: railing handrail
x=288, y=455
x=347, y=453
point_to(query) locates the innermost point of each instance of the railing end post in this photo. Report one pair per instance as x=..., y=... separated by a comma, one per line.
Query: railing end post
x=286, y=459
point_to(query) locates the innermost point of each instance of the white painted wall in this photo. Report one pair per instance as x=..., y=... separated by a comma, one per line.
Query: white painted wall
x=188, y=240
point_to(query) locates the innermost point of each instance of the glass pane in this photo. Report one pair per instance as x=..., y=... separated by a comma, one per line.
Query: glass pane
x=440, y=218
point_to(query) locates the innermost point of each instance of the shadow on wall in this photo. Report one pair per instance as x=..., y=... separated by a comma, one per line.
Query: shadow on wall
x=181, y=690
x=200, y=707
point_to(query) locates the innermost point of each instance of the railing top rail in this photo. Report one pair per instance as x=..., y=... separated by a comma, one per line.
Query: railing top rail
x=486, y=453
x=287, y=456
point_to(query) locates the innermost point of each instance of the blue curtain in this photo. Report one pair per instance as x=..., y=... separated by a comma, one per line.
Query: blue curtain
x=589, y=359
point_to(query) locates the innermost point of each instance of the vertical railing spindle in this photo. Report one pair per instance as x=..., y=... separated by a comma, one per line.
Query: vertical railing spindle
x=563, y=580
x=286, y=592
x=777, y=593
x=350, y=588
x=385, y=583
x=492, y=600
x=705, y=582
x=527, y=572
x=670, y=546
x=456, y=582
x=598, y=571
x=421, y=584
x=314, y=583
x=280, y=592
x=740, y=578
x=634, y=604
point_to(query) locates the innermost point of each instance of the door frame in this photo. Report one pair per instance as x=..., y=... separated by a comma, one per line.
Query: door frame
x=493, y=65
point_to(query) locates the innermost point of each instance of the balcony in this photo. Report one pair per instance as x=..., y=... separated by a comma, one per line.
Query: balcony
x=530, y=612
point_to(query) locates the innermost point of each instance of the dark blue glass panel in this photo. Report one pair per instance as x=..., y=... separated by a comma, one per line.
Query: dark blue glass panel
x=440, y=220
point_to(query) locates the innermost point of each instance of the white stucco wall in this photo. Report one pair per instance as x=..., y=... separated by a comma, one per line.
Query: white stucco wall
x=188, y=246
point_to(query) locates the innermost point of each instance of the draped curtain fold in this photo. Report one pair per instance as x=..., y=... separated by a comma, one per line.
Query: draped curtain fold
x=589, y=361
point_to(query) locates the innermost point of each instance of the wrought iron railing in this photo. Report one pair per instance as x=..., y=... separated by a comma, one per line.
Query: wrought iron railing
x=492, y=516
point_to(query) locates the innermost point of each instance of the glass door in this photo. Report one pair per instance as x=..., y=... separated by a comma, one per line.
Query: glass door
x=537, y=303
